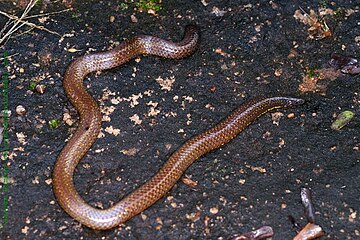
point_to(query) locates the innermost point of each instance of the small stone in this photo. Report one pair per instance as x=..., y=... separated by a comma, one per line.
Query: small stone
x=40, y=88
x=45, y=57
x=20, y=110
x=278, y=72
x=193, y=216
x=111, y=19
x=133, y=19
x=214, y=210
x=291, y=115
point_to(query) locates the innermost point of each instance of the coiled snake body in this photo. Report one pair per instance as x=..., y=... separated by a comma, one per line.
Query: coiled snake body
x=90, y=124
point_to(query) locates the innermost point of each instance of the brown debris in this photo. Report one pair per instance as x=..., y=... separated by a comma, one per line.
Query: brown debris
x=318, y=29
x=347, y=65
x=193, y=216
x=20, y=110
x=222, y=52
x=308, y=206
x=40, y=88
x=130, y=152
x=206, y=224
x=45, y=57
x=338, y=64
x=189, y=182
x=309, y=232
x=15, y=23
x=311, y=80
x=167, y=83
x=260, y=233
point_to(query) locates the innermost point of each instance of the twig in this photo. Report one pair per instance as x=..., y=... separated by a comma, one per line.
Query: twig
x=309, y=232
x=15, y=23
x=306, y=14
x=260, y=233
x=28, y=23
x=48, y=14
x=308, y=206
x=1, y=59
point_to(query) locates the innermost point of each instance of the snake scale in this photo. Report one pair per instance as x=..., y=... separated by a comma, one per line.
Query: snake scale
x=90, y=125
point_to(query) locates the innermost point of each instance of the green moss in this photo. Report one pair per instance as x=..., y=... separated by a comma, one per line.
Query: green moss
x=311, y=72
x=54, y=123
x=76, y=16
x=123, y=6
x=149, y=5
x=323, y=3
x=32, y=86
x=342, y=120
x=339, y=14
x=39, y=3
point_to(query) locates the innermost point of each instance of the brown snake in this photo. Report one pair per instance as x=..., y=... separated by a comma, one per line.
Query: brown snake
x=90, y=124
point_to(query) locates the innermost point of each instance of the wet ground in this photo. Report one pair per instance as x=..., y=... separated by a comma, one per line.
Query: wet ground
x=246, y=50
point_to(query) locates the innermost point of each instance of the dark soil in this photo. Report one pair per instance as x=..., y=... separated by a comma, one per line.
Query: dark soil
x=242, y=49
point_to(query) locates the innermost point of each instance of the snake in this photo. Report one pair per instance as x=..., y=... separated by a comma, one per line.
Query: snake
x=90, y=125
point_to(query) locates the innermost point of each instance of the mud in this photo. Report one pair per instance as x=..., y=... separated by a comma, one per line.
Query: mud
x=246, y=50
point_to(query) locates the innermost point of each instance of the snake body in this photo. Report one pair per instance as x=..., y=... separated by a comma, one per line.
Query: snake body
x=90, y=124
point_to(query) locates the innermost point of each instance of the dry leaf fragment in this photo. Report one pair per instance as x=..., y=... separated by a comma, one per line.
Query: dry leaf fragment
x=318, y=28
x=72, y=50
x=264, y=232
x=309, y=232
x=189, y=182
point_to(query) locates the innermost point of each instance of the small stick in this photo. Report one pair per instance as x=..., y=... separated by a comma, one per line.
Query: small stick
x=308, y=206
x=26, y=23
x=309, y=232
x=48, y=14
x=1, y=59
x=260, y=233
x=15, y=23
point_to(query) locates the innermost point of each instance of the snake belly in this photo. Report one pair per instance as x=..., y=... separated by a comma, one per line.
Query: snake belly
x=90, y=124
